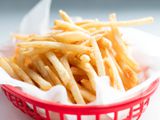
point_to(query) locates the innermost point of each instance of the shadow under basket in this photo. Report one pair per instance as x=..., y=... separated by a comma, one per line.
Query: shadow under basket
x=130, y=109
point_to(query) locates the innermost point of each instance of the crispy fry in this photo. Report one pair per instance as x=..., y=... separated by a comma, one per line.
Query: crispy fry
x=83, y=22
x=86, y=84
x=77, y=71
x=71, y=37
x=130, y=77
x=33, y=37
x=98, y=58
x=43, y=84
x=70, y=97
x=86, y=94
x=67, y=26
x=92, y=75
x=53, y=76
x=114, y=75
x=136, y=22
x=72, y=83
x=4, y=64
x=65, y=16
x=55, y=45
x=20, y=72
x=62, y=72
x=39, y=64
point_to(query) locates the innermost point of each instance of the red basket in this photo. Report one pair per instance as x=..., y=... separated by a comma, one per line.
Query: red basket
x=44, y=110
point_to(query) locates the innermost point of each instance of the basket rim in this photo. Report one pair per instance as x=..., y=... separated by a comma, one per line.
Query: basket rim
x=87, y=108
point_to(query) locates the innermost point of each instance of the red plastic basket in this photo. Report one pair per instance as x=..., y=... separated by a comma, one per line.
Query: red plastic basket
x=44, y=110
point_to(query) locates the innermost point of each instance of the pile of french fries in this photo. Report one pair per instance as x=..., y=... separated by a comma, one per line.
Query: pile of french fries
x=75, y=54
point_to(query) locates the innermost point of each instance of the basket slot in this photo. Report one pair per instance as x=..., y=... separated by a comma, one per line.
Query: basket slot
x=40, y=112
x=54, y=115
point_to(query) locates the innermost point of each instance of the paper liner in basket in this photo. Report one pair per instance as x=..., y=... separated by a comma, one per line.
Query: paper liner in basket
x=145, y=48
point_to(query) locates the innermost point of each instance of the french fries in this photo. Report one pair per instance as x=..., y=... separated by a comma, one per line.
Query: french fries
x=75, y=54
x=20, y=72
x=55, y=45
x=65, y=16
x=71, y=37
x=72, y=83
x=5, y=65
x=42, y=83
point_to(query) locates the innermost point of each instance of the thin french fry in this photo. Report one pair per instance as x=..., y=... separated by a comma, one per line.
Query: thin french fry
x=42, y=83
x=86, y=94
x=39, y=64
x=130, y=76
x=83, y=22
x=70, y=97
x=62, y=72
x=137, y=22
x=67, y=26
x=77, y=71
x=86, y=84
x=72, y=83
x=92, y=75
x=97, y=32
x=55, y=45
x=53, y=76
x=33, y=37
x=71, y=37
x=20, y=72
x=98, y=58
x=34, y=52
x=4, y=64
x=114, y=75
x=65, y=16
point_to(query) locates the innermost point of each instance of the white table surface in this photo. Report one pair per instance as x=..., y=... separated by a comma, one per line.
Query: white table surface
x=9, y=112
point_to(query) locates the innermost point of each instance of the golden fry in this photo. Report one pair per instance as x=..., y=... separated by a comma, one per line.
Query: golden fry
x=77, y=71
x=86, y=94
x=39, y=64
x=92, y=75
x=67, y=26
x=65, y=16
x=86, y=84
x=4, y=64
x=98, y=58
x=62, y=72
x=136, y=22
x=72, y=83
x=71, y=37
x=20, y=72
x=42, y=83
x=55, y=45
x=53, y=76
x=33, y=37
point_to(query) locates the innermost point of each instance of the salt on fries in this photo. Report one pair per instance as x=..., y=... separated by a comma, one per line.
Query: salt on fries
x=75, y=54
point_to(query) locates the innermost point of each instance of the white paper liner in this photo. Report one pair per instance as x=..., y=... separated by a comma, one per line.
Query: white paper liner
x=145, y=49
